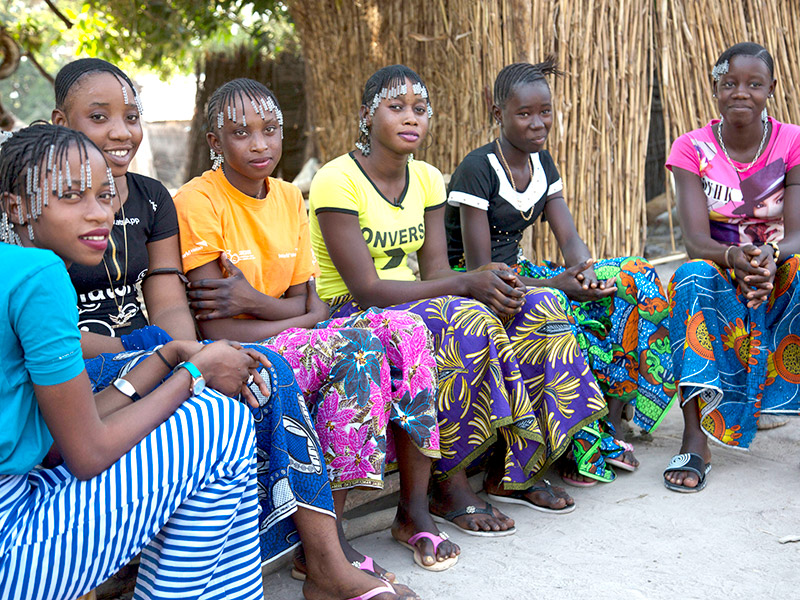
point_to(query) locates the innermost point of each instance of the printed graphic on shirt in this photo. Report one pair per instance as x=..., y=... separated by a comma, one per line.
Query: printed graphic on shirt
x=741, y=210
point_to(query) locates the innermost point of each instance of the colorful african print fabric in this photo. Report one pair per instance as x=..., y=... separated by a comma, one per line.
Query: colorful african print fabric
x=738, y=362
x=524, y=381
x=354, y=385
x=625, y=338
x=291, y=468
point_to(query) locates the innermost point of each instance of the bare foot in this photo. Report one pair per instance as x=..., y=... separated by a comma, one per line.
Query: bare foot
x=300, y=570
x=538, y=494
x=408, y=523
x=455, y=494
x=614, y=418
x=349, y=582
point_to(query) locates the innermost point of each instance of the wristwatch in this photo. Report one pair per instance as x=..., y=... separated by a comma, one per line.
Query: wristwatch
x=126, y=387
x=198, y=383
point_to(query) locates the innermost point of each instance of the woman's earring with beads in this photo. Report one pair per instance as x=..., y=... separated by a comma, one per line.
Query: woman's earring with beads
x=764, y=115
x=216, y=159
x=363, y=137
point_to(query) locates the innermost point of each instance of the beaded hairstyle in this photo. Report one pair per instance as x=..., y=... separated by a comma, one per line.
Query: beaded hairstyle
x=71, y=73
x=229, y=99
x=744, y=49
x=33, y=165
x=388, y=82
x=517, y=74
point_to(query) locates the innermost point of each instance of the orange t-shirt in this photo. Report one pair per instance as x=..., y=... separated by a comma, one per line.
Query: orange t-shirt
x=267, y=239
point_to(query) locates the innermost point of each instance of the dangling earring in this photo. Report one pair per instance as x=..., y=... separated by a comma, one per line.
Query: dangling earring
x=410, y=157
x=216, y=159
x=363, y=137
x=764, y=115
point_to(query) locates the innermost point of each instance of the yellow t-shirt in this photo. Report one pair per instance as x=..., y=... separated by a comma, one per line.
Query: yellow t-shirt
x=267, y=239
x=390, y=232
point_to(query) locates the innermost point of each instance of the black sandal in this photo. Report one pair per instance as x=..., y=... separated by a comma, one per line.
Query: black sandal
x=472, y=510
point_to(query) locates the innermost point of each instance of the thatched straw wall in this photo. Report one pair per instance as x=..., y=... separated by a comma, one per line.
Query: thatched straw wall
x=458, y=46
x=691, y=35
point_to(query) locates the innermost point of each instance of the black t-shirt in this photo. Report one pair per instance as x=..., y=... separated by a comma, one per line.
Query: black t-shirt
x=149, y=217
x=480, y=181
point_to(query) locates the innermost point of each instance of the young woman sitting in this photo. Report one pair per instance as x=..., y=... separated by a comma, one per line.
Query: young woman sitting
x=98, y=99
x=617, y=307
x=734, y=309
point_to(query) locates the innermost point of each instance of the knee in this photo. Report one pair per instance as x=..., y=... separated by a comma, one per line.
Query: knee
x=694, y=270
x=548, y=302
x=222, y=426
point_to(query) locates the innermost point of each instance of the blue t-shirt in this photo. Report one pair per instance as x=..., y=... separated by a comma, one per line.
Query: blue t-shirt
x=39, y=343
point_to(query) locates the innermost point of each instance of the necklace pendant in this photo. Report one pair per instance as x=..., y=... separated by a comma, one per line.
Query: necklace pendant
x=121, y=319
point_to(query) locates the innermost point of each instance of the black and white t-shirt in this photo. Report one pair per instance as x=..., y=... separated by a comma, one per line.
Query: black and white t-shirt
x=480, y=181
x=149, y=217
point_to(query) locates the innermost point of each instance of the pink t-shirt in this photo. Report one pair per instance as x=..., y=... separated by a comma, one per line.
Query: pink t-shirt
x=746, y=207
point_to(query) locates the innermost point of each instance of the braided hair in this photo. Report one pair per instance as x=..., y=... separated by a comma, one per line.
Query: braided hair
x=383, y=83
x=33, y=165
x=72, y=72
x=230, y=98
x=517, y=74
x=747, y=49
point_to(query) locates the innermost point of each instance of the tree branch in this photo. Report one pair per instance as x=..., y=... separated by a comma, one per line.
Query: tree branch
x=60, y=15
x=40, y=68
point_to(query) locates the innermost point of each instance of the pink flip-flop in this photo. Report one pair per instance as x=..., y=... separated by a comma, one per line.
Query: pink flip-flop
x=576, y=482
x=367, y=565
x=437, y=540
x=618, y=462
x=374, y=592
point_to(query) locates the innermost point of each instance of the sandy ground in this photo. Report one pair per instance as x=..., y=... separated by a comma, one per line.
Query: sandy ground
x=632, y=538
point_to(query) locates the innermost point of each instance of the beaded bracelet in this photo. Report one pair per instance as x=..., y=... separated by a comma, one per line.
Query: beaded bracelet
x=776, y=251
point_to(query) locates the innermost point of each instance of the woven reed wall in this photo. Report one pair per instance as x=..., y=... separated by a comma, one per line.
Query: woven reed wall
x=690, y=37
x=599, y=139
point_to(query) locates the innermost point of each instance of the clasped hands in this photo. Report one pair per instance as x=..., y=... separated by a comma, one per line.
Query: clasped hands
x=580, y=283
x=754, y=269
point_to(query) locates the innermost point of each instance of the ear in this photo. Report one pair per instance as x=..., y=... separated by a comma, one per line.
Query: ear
x=11, y=203
x=213, y=142
x=772, y=88
x=363, y=113
x=59, y=118
x=497, y=113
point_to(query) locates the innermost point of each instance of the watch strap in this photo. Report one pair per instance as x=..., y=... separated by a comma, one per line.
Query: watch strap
x=191, y=367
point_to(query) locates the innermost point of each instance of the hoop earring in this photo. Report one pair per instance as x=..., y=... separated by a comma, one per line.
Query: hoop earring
x=363, y=142
x=430, y=142
x=216, y=159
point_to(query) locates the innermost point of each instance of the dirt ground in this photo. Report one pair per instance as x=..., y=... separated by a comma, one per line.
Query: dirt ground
x=633, y=538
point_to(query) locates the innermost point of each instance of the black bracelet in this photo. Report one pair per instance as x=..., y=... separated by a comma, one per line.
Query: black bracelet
x=164, y=360
x=167, y=271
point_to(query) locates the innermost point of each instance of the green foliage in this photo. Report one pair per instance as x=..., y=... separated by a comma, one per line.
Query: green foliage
x=161, y=35
x=27, y=94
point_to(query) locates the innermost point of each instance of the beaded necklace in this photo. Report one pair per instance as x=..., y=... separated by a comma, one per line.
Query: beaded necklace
x=511, y=177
